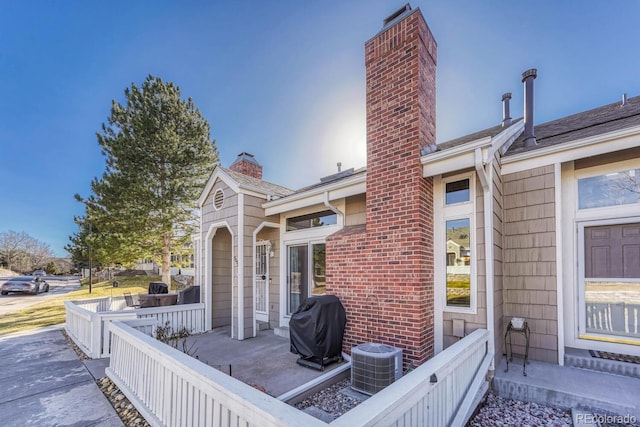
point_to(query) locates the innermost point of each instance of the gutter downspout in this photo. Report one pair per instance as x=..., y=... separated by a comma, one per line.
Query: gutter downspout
x=486, y=180
x=333, y=208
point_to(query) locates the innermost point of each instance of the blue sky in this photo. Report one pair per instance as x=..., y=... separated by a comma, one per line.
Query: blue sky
x=283, y=80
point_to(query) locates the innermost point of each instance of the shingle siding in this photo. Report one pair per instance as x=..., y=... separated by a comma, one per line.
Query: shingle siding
x=529, y=253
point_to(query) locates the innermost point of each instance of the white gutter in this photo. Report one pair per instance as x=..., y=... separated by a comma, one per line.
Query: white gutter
x=456, y=151
x=486, y=180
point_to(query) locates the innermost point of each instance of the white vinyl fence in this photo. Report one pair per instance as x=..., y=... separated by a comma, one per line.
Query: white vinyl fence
x=170, y=388
x=88, y=321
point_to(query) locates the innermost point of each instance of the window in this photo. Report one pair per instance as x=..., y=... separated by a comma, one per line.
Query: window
x=457, y=192
x=316, y=219
x=612, y=189
x=459, y=262
x=457, y=243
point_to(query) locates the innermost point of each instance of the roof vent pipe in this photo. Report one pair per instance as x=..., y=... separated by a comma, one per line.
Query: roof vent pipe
x=506, y=114
x=527, y=78
x=624, y=100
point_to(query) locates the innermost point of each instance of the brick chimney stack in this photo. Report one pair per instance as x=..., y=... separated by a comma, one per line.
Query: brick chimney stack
x=246, y=164
x=383, y=273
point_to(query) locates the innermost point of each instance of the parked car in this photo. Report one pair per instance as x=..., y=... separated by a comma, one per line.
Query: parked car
x=25, y=284
x=39, y=273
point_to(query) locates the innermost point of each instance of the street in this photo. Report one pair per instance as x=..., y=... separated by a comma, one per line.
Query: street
x=57, y=285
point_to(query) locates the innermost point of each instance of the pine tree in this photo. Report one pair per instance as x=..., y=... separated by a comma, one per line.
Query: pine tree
x=158, y=157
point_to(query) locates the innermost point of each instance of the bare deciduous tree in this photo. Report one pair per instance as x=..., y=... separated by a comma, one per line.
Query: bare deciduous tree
x=21, y=252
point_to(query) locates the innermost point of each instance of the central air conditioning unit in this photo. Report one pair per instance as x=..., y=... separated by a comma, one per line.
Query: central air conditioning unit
x=374, y=366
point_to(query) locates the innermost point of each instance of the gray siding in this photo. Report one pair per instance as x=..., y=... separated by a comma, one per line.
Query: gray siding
x=529, y=281
x=355, y=210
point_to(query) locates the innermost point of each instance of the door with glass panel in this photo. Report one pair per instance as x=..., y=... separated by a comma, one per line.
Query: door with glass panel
x=305, y=273
x=610, y=276
x=262, y=281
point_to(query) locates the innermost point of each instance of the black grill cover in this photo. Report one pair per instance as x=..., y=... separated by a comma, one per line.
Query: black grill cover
x=158, y=288
x=317, y=327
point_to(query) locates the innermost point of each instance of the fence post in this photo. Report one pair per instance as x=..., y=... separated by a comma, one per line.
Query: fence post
x=96, y=336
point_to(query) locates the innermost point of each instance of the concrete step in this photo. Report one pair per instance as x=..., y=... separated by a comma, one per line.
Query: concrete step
x=282, y=331
x=568, y=387
x=578, y=358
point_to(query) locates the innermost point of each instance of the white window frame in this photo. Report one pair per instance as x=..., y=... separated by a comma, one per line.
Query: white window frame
x=582, y=332
x=605, y=212
x=309, y=236
x=574, y=221
x=444, y=213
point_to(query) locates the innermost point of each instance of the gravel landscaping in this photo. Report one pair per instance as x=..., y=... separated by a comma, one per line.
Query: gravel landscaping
x=330, y=401
x=496, y=411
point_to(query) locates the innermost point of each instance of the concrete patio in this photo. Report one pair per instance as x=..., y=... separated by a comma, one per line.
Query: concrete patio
x=264, y=362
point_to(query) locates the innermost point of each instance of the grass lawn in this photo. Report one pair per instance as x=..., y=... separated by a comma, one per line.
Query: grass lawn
x=51, y=311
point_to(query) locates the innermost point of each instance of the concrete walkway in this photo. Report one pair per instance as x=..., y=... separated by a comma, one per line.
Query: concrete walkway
x=568, y=387
x=43, y=383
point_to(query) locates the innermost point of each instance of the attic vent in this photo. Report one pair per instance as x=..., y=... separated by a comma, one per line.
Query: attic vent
x=218, y=199
x=375, y=366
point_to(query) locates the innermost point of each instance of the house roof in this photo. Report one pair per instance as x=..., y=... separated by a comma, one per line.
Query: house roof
x=489, y=132
x=333, y=179
x=340, y=185
x=247, y=181
x=594, y=122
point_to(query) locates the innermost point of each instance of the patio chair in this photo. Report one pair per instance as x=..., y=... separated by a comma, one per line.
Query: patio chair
x=129, y=300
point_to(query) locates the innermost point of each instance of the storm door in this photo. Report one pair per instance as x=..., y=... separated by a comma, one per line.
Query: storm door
x=610, y=282
x=262, y=280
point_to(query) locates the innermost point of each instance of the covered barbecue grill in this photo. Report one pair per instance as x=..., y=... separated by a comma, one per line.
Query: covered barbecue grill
x=316, y=330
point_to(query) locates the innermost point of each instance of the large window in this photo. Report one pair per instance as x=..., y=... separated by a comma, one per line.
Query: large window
x=458, y=240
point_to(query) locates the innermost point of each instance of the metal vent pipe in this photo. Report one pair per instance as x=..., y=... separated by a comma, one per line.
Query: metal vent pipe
x=527, y=78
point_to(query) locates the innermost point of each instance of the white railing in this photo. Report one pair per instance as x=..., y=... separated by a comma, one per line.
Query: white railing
x=170, y=388
x=90, y=329
x=440, y=392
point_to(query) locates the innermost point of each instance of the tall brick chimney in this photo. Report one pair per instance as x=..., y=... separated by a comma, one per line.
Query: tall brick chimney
x=383, y=272
x=246, y=164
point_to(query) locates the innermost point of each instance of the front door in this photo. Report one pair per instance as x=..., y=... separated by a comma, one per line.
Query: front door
x=261, y=278
x=610, y=283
